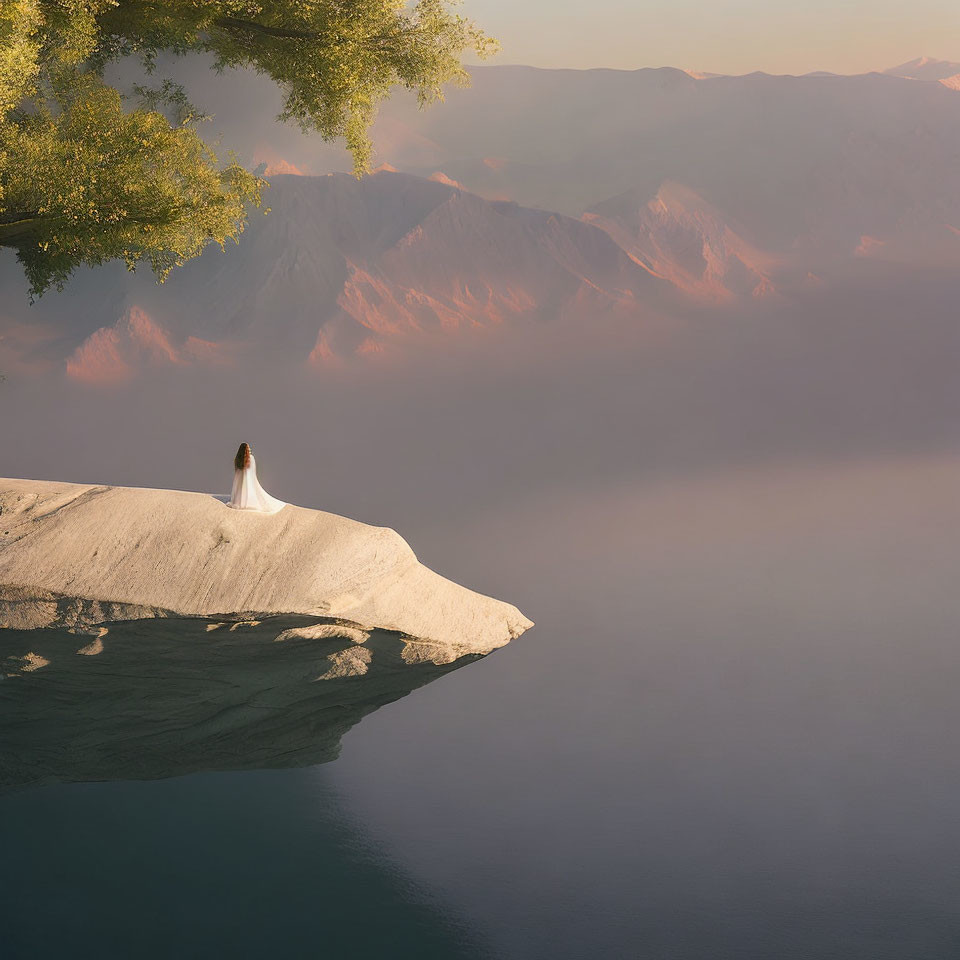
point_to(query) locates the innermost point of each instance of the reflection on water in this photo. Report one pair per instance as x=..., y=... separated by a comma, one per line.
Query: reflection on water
x=252, y=865
x=733, y=735
x=161, y=698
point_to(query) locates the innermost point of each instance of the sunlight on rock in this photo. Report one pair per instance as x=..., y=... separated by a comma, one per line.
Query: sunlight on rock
x=92, y=555
x=28, y=663
x=95, y=646
x=324, y=631
x=352, y=662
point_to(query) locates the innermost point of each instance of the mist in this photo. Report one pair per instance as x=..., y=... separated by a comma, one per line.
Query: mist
x=732, y=732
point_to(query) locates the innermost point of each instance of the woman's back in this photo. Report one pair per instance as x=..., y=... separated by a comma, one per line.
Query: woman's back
x=247, y=494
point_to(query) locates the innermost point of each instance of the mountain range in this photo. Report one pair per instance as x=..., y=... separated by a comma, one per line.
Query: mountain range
x=926, y=68
x=535, y=196
x=341, y=267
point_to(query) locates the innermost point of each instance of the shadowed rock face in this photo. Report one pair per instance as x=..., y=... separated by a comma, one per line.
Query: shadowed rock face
x=150, y=699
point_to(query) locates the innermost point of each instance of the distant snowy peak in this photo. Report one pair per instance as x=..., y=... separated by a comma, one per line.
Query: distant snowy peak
x=926, y=68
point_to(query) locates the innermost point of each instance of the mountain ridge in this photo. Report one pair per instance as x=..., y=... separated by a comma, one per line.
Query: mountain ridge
x=341, y=269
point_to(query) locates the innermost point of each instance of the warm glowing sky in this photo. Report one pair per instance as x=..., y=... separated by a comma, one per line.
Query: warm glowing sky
x=722, y=36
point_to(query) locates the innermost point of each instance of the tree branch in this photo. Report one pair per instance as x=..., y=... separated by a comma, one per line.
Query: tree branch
x=288, y=33
x=252, y=26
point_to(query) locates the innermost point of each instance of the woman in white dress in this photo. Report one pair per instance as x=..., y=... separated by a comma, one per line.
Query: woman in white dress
x=247, y=493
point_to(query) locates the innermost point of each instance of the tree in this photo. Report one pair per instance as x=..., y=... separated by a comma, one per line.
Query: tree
x=89, y=175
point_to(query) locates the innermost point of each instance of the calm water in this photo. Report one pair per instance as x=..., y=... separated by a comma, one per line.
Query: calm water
x=733, y=733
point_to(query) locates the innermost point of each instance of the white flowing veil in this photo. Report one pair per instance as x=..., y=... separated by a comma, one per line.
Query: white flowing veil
x=247, y=494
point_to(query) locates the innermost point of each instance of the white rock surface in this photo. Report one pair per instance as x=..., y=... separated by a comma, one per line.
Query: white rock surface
x=77, y=555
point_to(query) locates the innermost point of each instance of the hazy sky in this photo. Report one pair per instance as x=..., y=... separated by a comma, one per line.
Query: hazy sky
x=722, y=36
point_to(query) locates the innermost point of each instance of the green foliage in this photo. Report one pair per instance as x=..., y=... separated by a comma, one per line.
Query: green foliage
x=94, y=182
x=335, y=60
x=19, y=51
x=87, y=177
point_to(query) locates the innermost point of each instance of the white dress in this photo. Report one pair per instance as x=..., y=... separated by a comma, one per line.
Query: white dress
x=249, y=495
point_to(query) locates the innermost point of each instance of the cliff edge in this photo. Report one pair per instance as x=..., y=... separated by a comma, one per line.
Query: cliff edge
x=75, y=555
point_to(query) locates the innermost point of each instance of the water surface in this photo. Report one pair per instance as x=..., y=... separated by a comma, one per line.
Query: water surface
x=732, y=734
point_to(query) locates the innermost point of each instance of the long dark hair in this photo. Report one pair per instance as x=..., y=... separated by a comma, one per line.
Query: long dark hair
x=242, y=459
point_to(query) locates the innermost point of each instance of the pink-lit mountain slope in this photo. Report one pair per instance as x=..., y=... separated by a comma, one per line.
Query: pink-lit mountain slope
x=115, y=354
x=341, y=267
x=683, y=238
